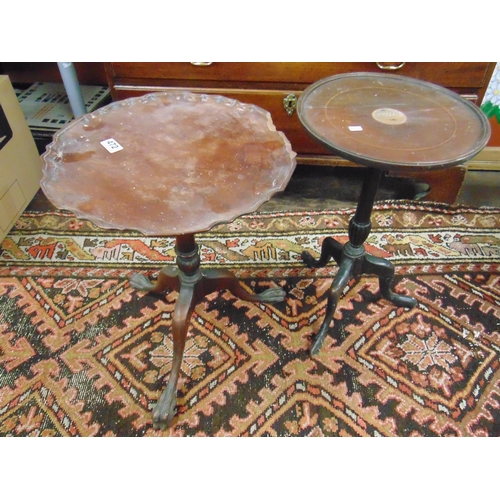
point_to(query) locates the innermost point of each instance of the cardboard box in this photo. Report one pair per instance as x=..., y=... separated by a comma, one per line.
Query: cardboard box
x=20, y=163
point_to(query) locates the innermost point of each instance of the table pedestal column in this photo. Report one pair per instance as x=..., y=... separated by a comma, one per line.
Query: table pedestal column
x=353, y=260
x=193, y=284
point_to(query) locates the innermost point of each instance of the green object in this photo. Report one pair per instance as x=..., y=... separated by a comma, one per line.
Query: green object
x=490, y=109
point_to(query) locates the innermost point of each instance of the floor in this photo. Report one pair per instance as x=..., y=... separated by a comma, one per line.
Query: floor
x=325, y=187
x=481, y=188
x=317, y=188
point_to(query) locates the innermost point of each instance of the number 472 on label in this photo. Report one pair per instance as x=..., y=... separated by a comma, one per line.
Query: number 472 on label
x=111, y=145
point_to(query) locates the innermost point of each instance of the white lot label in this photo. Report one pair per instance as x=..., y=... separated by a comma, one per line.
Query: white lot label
x=111, y=145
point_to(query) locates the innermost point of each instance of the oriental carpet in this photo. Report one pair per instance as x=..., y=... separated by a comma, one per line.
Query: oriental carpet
x=84, y=354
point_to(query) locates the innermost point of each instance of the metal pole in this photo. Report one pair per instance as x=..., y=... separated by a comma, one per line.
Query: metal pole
x=70, y=80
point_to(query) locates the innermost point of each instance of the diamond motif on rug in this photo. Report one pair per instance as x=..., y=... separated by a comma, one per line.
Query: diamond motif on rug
x=82, y=353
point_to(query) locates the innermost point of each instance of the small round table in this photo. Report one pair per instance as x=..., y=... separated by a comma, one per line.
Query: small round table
x=384, y=122
x=171, y=164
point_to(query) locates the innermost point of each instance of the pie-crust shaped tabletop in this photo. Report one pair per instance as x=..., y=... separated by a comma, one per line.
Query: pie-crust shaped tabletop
x=175, y=163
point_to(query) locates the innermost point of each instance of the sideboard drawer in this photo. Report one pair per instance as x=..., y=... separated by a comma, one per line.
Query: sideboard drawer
x=463, y=77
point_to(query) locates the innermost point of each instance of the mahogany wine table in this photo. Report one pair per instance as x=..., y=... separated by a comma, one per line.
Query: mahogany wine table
x=384, y=122
x=171, y=164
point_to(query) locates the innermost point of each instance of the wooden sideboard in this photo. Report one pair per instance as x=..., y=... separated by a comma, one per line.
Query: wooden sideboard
x=276, y=87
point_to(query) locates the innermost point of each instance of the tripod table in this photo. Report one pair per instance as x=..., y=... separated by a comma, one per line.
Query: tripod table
x=171, y=164
x=385, y=123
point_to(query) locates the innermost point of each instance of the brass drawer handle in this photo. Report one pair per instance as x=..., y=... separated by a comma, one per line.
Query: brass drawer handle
x=290, y=103
x=390, y=67
x=201, y=63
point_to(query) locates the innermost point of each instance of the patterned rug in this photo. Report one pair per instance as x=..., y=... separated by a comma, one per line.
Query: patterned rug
x=84, y=354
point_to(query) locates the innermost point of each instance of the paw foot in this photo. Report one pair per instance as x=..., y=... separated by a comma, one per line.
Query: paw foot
x=272, y=295
x=163, y=412
x=140, y=282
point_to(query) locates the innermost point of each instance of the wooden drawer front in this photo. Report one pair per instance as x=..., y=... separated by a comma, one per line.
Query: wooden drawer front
x=270, y=100
x=456, y=75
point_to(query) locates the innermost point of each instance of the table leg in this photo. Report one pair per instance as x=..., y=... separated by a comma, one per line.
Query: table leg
x=329, y=248
x=353, y=260
x=164, y=410
x=214, y=280
x=193, y=284
x=340, y=281
x=385, y=272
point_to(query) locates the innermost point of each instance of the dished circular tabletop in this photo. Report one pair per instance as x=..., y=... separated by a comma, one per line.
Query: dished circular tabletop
x=167, y=163
x=392, y=122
